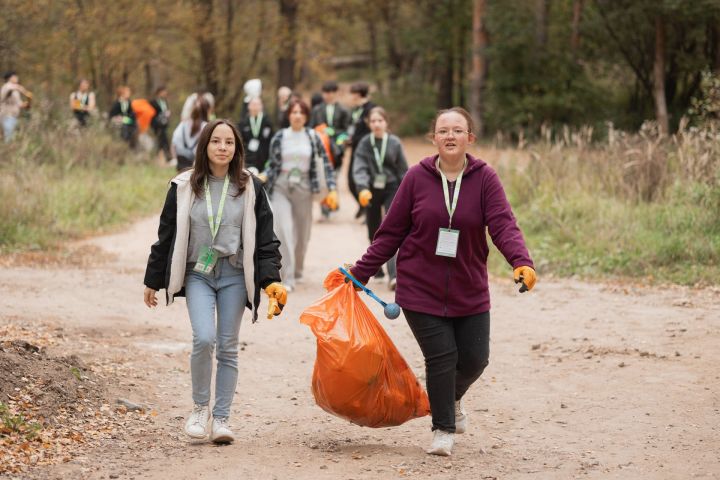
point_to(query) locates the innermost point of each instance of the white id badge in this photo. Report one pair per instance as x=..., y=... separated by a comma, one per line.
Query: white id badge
x=380, y=181
x=266, y=132
x=253, y=145
x=447, y=242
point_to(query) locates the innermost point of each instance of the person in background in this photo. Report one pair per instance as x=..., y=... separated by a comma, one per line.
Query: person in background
x=82, y=103
x=12, y=103
x=252, y=89
x=190, y=101
x=291, y=179
x=438, y=220
x=283, y=101
x=187, y=134
x=216, y=246
x=160, y=122
x=360, y=100
x=256, y=131
x=335, y=117
x=378, y=169
x=122, y=115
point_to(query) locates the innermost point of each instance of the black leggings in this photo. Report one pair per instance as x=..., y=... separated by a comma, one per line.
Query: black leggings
x=456, y=351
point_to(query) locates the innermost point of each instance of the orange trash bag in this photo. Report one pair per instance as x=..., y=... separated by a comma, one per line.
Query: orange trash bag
x=359, y=374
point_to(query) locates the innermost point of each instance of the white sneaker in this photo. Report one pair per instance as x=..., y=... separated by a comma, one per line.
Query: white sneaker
x=221, y=432
x=442, y=443
x=460, y=417
x=197, y=423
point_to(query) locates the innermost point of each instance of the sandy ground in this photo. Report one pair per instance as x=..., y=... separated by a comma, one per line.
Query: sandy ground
x=585, y=380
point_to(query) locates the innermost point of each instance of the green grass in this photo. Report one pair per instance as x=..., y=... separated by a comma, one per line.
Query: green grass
x=57, y=186
x=582, y=214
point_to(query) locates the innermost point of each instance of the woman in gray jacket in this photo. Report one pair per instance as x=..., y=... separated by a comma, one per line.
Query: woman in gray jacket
x=378, y=169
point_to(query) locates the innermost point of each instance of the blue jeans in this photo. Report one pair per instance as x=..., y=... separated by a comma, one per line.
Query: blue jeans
x=8, y=125
x=224, y=288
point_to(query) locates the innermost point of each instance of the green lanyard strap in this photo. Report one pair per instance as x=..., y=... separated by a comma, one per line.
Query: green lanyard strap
x=379, y=156
x=446, y=191
x=356, y=114
x=255, y=124
x=215, y=222
x=329, y=114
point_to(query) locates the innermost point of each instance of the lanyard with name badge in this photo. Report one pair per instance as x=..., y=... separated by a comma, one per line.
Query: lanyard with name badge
x=381, y=178
x=447, y=237
x=208, y=257
x=255, y=124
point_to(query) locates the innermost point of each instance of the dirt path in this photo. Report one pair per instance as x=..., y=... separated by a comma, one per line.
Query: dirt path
x=595, y=381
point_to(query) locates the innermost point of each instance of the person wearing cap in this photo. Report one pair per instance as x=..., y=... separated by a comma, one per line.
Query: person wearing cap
x=438, y=225
x=252, y=89
x=11, y=104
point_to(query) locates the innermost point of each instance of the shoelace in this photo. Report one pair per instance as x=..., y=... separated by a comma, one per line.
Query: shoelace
x=197, y=410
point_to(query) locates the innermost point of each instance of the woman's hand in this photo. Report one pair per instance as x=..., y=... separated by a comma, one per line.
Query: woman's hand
x=364, y=197
x=150, y=298
x=277, y=292
x=332, y=200
x=526, y=276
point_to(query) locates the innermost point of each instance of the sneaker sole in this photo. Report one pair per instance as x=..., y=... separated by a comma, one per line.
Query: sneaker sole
x=223, y=439
x=196, y=437
x=440, y=452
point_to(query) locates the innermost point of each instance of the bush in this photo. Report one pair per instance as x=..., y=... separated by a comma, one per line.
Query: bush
x=60, y=184
x=636, y=205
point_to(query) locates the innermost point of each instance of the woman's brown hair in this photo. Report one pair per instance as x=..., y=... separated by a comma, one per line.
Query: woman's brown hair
x=304, y=108
x=201, y=169
x=458, y=110
x=199, y=114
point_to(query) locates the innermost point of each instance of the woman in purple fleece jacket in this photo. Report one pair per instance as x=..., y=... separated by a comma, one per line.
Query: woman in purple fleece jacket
x=438, y=221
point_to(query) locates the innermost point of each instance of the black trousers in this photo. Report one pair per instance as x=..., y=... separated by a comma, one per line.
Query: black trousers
x=163, y=141
x=375, y=212
x=351, y=180
x=456, y=351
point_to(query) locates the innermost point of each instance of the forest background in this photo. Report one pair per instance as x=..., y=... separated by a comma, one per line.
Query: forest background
x=609, y=107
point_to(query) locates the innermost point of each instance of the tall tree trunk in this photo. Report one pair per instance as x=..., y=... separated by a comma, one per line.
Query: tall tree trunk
x=479, y=65
x=149, y=79
x=575, y=36
x=714, y=34
x=659, y=76
x=206, y=43
x=543, y=18
x=287, y=58
x=445, y=90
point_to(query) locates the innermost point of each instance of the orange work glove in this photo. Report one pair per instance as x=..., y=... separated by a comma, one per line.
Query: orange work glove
x=526, y=276
x=364, y=197
x=277, y=295
x=332, y=200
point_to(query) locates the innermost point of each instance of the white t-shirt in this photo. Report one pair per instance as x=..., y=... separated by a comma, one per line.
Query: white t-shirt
x=296, y=150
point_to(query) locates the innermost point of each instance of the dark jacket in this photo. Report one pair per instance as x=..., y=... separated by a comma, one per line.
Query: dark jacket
x=365, y=167
x=265, y=256
x=258, y=158
x=341, y=118
x=161, y=118
x=360, y=127
x=433, y=284
x=116, y=110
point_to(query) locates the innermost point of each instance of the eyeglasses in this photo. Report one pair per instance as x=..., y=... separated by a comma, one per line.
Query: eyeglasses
x=457, y=132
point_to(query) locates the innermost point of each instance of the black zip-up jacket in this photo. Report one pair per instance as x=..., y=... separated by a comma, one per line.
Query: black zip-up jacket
x=266, y=257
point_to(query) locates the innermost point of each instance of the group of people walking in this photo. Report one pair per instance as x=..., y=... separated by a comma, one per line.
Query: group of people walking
x=234, y=225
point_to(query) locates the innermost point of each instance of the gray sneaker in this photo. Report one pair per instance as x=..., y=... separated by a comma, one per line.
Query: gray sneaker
x=461, y=420
x=197, y=423
x=221, y=432
x=442, y=443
